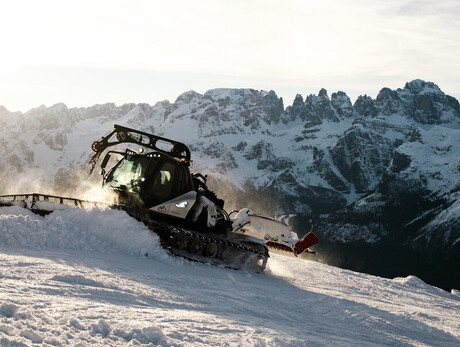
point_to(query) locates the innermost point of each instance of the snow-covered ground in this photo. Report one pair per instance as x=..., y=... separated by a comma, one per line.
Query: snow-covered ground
x=100, y=278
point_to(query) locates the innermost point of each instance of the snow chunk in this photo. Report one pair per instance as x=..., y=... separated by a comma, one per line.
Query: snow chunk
x=143, y=336
x=75, y=323
x=31, y=335
x=8, y=310
x=412, y=281
x=102, y=328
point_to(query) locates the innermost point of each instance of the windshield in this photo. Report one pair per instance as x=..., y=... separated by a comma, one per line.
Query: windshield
x=129, y=173
x=148, y=179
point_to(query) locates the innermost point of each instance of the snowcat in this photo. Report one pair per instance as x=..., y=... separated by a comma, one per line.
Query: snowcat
x=155, y=186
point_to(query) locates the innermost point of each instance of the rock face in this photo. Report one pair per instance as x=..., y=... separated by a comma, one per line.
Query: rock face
x=362, y=157
x=380, y=176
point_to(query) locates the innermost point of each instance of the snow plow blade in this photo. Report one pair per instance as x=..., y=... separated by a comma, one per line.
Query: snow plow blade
x=305, y=242
x=309, y=239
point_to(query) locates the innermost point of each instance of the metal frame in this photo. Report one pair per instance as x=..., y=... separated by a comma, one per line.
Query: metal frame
x=127, y=135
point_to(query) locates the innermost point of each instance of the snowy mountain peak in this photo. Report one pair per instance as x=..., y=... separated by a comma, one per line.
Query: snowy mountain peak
x=187, y=97
x=342, y=104
x=360, y=164
x=421, y=87
x=3, y=110
x=422, y=101
x=323, y=94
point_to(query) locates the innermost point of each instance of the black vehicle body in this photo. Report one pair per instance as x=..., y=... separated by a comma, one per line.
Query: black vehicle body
x=158, y=188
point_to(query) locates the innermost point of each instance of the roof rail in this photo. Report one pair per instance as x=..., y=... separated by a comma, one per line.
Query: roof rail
x=122, y=134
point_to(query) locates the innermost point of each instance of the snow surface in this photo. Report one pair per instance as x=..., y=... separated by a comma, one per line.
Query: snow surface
x=98, y=277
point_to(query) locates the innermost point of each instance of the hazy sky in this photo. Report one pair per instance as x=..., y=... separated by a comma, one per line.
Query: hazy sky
x=96, y=51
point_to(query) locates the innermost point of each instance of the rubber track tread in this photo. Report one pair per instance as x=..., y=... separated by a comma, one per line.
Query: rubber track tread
x=167, y=232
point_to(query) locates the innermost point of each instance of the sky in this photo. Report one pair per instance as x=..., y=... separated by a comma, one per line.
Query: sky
x=88, y=52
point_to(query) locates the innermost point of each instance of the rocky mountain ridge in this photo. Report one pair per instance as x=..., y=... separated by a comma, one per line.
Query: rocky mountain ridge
x=379, y=172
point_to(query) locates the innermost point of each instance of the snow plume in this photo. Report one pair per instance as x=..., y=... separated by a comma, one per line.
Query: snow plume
x=95, y=192
x=92, y=230
x=279, y=269
x=75, y=183
x=34, y=181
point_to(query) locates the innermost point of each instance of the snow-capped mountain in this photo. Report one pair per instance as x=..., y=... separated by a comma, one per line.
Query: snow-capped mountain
x=380, y=174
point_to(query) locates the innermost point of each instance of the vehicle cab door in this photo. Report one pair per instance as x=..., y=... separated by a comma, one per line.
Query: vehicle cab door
x=172, y=189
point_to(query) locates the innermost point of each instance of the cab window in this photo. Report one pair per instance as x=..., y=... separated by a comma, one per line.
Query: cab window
x=161, y=187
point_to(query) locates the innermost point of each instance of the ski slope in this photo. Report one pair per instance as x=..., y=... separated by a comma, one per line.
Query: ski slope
x=99, y=278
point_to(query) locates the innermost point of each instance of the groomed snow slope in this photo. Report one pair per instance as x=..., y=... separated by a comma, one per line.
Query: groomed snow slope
x=100, y=278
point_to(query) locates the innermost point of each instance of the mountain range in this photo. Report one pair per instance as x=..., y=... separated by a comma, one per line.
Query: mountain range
x=378, y=180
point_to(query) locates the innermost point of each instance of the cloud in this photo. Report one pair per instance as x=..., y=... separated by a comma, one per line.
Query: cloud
x=423, y=8
x=183, y=45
